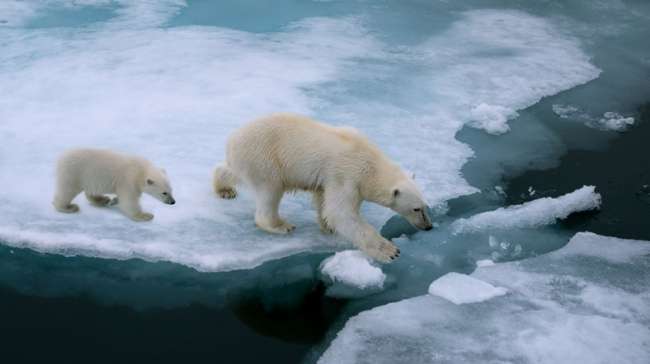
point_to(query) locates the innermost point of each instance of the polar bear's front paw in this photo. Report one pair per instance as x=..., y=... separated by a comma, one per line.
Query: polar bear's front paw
x=324, y=227
x=227, y=193
x=383, y=251
x=143, y=216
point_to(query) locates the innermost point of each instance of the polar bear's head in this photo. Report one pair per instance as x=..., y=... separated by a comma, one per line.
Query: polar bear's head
x=409, y=202
x=157, y=185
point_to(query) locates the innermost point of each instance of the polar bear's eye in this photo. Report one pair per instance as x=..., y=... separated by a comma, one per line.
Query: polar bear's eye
x=417, y=210
x=165, y=193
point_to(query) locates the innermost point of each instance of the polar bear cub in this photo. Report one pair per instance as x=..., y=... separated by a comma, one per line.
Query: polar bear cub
x=286, y=152
x=97, y=172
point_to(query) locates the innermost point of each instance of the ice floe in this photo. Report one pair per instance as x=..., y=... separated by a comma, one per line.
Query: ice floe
x=577, y=304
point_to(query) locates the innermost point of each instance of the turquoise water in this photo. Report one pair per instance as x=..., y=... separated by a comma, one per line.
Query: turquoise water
x=171, y=79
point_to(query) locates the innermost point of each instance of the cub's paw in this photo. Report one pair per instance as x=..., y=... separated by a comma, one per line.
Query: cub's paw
x=383, y=251
x=227, y=193
x=143, y=216
x=114, y=201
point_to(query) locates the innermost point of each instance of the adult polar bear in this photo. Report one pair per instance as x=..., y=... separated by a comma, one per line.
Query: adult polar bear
x=286, y=152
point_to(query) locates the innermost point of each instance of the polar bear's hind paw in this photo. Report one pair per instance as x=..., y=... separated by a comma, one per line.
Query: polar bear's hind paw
x=227, y=193
x=143, y=216
x=99, y=200
x=69, y=208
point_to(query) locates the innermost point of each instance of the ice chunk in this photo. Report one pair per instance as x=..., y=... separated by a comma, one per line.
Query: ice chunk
x=569, y=306
x=566, y=111
x=610, y=120
x=484, y=263
x=615, y=121
x=353, y=268
x=542, y=211
x=461, y=288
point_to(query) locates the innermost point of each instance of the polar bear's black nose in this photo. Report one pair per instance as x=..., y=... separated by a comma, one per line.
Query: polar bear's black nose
x=171, y=201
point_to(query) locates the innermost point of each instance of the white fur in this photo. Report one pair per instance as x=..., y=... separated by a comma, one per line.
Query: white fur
x=285, y=152
x=98, y=172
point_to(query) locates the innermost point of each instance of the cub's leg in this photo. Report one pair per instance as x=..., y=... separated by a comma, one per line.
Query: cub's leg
x=129, y=203
x=65, y=193
x=318, y=198
x=224, y=182
x=267, y=217
x=98, y=200
x=341, y=211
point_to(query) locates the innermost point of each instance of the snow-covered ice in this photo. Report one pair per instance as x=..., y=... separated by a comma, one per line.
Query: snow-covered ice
x=461, y=288
x=539, y=212
x=174, y=94
x=575, y=305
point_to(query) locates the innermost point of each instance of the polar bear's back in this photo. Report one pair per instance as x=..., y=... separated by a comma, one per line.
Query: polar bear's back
x=96, y=170
x=296, y=150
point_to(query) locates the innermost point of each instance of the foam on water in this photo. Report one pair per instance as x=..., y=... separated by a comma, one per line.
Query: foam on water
x=175, y=94
x=573, y=305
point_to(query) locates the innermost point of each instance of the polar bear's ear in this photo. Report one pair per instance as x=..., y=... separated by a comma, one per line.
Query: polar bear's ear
x=396, y=192
x=149, y=181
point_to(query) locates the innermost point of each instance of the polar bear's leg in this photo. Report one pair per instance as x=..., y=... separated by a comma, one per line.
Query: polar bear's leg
x=65, y=193
x=224, y=182
x=341, y=211
x=267, y=216
x=318, y=198
x=98, y=200
x=129, y=203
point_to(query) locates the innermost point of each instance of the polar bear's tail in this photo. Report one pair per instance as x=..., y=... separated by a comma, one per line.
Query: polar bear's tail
x=224, y=182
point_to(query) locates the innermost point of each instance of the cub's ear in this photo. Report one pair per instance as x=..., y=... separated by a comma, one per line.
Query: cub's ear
x=396, y=192
x=149, y=181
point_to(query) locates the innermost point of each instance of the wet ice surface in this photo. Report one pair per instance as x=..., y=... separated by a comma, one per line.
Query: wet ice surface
x=587, y=302
x=174, y=94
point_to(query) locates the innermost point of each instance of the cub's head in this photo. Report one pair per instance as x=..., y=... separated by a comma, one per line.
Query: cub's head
x=407, y=200
x=157, y=185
